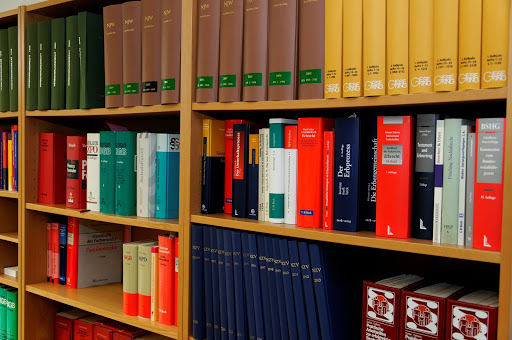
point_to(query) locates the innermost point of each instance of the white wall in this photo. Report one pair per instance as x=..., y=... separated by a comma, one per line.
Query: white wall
x=6, y=5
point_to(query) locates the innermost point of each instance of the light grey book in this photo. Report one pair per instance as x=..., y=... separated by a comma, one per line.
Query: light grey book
x=470, y=189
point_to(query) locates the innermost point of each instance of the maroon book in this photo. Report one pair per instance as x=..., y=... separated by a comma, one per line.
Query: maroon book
x=151, y=49
x=76, y=180
x=132, y=64
x=171, y=53
x=52, y=168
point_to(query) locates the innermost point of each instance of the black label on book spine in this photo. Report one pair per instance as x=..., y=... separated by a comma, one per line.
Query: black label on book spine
x=149, y=86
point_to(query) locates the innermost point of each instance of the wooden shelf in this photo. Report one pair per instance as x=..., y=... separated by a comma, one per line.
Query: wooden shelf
x=9, y=194
x=9, y=237
x=362, y=238
x=9, y=280
x=11, y=13
x=153, y=110
x=9, y=115
x=363, y=102
x=145, y=222
x=105, y=300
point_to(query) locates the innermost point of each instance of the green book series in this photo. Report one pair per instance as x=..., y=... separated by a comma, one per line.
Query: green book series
x=72, y=67
x=43, y=88
x=4, y=70
x=3, y=312
x=107, y=172
x=58, y=62
x=13, y=68
x=12, y=314
x=32, y=66
x=126, y=198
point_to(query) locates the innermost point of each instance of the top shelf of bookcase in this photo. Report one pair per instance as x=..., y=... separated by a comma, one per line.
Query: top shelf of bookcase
x=153, y=110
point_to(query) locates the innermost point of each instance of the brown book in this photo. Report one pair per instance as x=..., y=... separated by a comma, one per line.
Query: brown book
x=255, y=50
x=131, y=54
x=311, y=49
x=151, y=47
x=282, y=49
x=113, y=40
x=230, y=57
x=171, y=38
x=207, y=68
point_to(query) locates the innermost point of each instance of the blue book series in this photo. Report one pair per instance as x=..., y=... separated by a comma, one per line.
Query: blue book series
x=298, y=293
x=239, y=288
x=272, y=289
x=230, y=288
x=63, y=251
x=256, y=286
x=215, y=283
x=207, y=275
x=281, y=304
x=309, y=293
x=265, y=287
x=221, y=258
x=197, y=282
x=247, y=279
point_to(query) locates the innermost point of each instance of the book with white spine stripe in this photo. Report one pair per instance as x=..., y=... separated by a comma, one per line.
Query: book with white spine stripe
x=438, y=186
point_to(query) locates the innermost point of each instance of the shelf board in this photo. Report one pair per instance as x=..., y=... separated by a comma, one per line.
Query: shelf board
x=10, y=13
x=9, y=115
x=9, y=237
x=362, y=238
x=144, y=222
x=153, y=110
x=399, y=100
x=9, y=280
x=106, y=301
x=9, y=194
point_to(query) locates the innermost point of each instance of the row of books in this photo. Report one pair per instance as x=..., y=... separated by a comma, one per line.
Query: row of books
x=76, y=324
x=353, y=174
x=284, y=50
x=65, y=66
x=142, y=52
x=8, y=313
x=9, y=146
x=124, y=172
x=9, y=69
x=150, y=279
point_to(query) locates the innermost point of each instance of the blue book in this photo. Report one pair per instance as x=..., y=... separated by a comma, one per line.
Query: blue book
x=281, y=304
x=221, y=258
x=252, y=177
x=63, y=251
x=288, y=289
x=239, y=286
x=230, y=288
x=346, y=174
x=197, y=282
x=265, y=287
x=309, y=293
x=215, y=284
x=322, y=298
x=272, y=289
x=298, y=293
x=256, y=286
x=15, y=159
x=247, y=278
x=167, y=182
x=368, y=182
x=207, y=274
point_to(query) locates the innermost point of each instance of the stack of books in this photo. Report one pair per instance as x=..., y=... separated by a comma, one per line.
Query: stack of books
x=9, y=69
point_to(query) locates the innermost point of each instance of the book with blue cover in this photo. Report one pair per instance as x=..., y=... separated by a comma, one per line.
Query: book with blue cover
x=207, y=275
x=309, y=293
x=288, y=289
x=167, y=175
x=247, y=281
x=215, y=283
x=272, y=288
x=63, y=251
x=281, y=304
x=324, y=314
x=298, y=293
x=265, y=286
x=197, y=282
x=221, y=258
x=239, y=287
x=230, y=287
x=256, y=286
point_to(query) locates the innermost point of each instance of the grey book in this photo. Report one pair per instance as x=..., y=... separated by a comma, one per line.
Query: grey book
x=470, y=189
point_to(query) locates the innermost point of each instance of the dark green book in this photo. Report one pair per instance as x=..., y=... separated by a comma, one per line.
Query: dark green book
x=12, y=314
x=72, y=60
x=107, y=172
x=32, y=66
x=92, y=69
x=126, y=149
x=4, y=71
x=58, y=62
x=3, y=312
x=13, y=68
x=43, y=88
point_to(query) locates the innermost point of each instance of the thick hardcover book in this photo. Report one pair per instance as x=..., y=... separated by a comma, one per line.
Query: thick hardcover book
x=464, y=132
x=253, y=286
x=298, y=295
x=438, y=182
x=273, y=296
x=58, y=64
x=11, y=296
x=92, y=69
x=446, y=34
x=170, y=50
x=488, y=206
x=281, y=304
x=290, y=174
x=255, y=50
x=113, y=40
x=93, y=172
x=470, y=189
x=247, y=290
x=309, y=293
x=130, y=278
x=197, y=281
x=328, y=181
x=282, y=49
x=63, y=249
x=470, y=44
x=230, y=51
x=221, y=272
x=121, y=331
x=252, y=177
x=421, y=46
x=52, y=168
x=4, y=68
x=264, y=282
x=207, y=277
x=368, y=182
x=352, y=48
x=346, y=178
x=83, y=328
x=230, y=287
x=309, y=177
x=167, y=175
x=166, y=302
x=3, y=311
x=208, y=37
x=215, y=283
x=72, y=64
x=397, y=47
x=64, y=323
x=424, y=177
x=394, y=176
x=374, y=47
x=151, y=50
x=176, y=278
x=288, y=289
x=125, y=173
x=212, y=188
x=144, y=279
x=32, y=66
x=107, y=172
x=241, y=305
x=72, y=254
x=333, y=48
x=146, y=171
x=76, y=179
x=101, y=333
x=132, y=53
x=13, y=69
x=43, y=79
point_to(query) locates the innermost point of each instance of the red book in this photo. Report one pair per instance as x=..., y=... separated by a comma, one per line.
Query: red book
x=101, y=333
x=120, y=329
x=64, y=323
x=76, y=180
x=84, y=328
x=55, y=253
x=176, y=252
x=394, y=176
x=166, y=279
x=5, y=160
x=52, y=168
x=309, y=170
x=72, y=255
x=488, y=204
x=328, y=183
x=49, y=253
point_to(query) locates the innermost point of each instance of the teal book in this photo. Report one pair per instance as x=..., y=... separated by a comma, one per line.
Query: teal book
x=3, y=312
x=43, y=88
x=90, y=52
x=107, y=172
x=72, y=67
x=4, y=70
x=32, y=66
x=167, y=175
x=13, y=68
x=12, y=314
x=125, y=178
x=58, y=62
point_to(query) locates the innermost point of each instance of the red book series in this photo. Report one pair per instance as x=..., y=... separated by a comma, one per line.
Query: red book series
x=101, y=333
x=120, y=330
x=328, y=181
x=55, y=253
x=64, y=323
x=76, y=180
x=84, y=327
x=52, y=168
x=176, y=252
x=166, y=279
x=72, y=254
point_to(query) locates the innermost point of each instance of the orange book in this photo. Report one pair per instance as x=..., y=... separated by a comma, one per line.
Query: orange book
x=166, y=279
x=328, y=180
x=176, y=252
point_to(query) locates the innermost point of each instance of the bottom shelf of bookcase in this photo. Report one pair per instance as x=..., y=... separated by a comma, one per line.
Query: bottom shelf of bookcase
x=105, y=301
x=9, y=280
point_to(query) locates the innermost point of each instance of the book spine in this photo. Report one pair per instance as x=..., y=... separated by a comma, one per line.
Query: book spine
x=272, y=289
x=154, y=283
x=197, y=282
x=113, y=40
x=166, y=279
x=3, y=313
x=125, y=178
x=32, y=65
x=93, y=172
x=328, y=181
x=368, y=181
x=352, y=48
x=146, y=171
x=132, y=53
x=281, y=303
x=320, y=287
x=421, y=46
x=464, y=131
x=144, y=280
x=175, y=290
x=170, y=14
x=63, y=248
x=4, y=68
x=215, y=283
x=229, y=283
x=15, y=156
x=298, y=295
x=470, y=190
x=12, y=314
x=9, y=162
x=228, y=170
x=72, y=253
x=288, y=289
x=161, y=175
x=72, y=64
x=221, y=258
x=259, y=249
x=397, y=47
x=207, y=275
x=240, y=164
x=252, y=177
x=241, y=328
x=151, y=51
x=55, y=252
x=261, y=176
x=130, y=279
x=333, y=48
x=309, y=293
x=171, y=209
x=5, y=160
x=43, y=88
x=374, y=47
x=58, y=64
x=49, y=257
x=446, y=33
x=470, y=44
x=107, y=191
x=212, y=190
x=13, y=68
x=438, y=182
x=267, y=173
x=254, y=328
x=76, y=172
x=290, y=174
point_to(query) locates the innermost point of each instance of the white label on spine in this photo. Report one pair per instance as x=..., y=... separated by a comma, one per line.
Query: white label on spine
x=93, y=172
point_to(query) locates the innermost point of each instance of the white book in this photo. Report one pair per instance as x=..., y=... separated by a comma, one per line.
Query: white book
x=146, y=173
x=438, y=181
x=461, y=235
x=93, y=172
x=470, y=188
x=261, y=176
x=290, y=177
x=11, y=271
x=266, y=141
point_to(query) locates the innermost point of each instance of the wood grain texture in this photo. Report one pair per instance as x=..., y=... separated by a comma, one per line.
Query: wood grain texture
x=9, y=280
x=10, y=237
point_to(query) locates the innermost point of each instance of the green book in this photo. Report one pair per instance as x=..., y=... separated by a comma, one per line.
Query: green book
x=107, y=172
x=126, y=198
x=4, y=71
x=92, y=69
x=12, y=314
x=13, y=68
x=3, y=312
x=32, y=66
x=43, y=78
x=58, y=62
x=72, y=60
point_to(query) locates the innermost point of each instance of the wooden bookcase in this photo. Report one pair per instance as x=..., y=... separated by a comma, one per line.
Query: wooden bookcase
x=23, y=227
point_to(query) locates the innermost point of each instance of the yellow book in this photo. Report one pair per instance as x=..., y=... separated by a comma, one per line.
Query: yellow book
x=421, y=45
x=495, y=31
x=9, y=165
x=446, y=30
x=397, y=40
x=374, y=47
x=333, y=48
x=213, y=135
x=352, y=47
x=470, y=44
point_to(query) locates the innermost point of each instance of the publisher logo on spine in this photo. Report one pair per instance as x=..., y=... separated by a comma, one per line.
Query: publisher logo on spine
x=422, y=316
x=469, y=323
x=380, y=305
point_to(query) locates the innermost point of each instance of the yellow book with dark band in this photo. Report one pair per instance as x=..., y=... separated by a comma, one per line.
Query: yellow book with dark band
x=374, y=47
x=397, y=51
x=352, y=47
x=446, y=18
x=212, y=185
x=470, y=44
x=421, y=45
x=333, y=48
x=495, y=32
